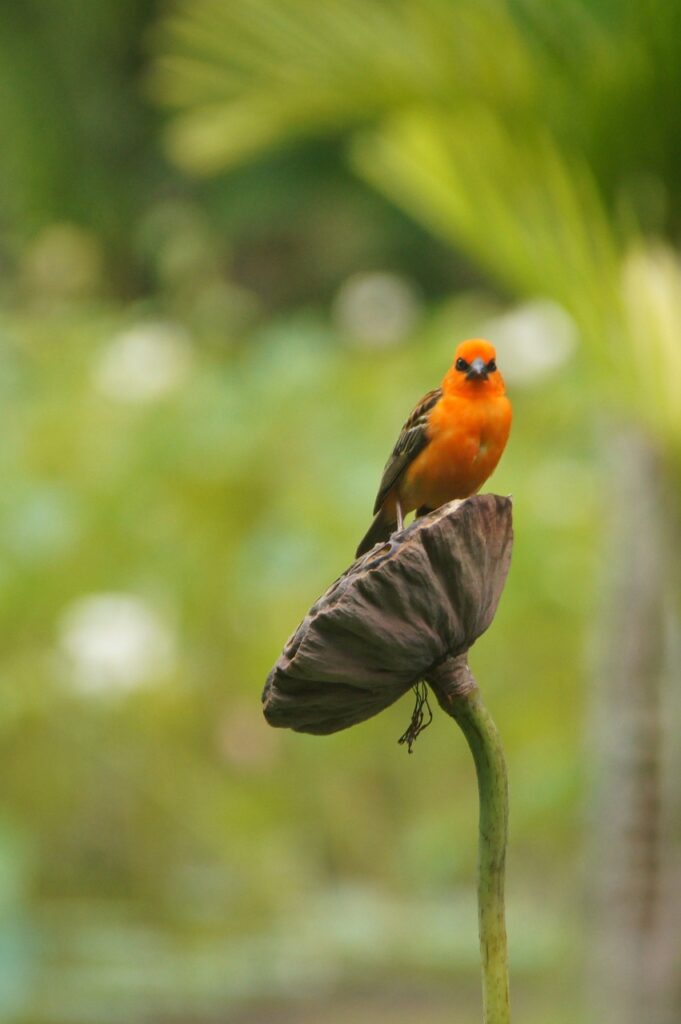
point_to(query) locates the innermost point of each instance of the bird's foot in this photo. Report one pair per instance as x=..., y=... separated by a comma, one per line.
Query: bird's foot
x=400, y=517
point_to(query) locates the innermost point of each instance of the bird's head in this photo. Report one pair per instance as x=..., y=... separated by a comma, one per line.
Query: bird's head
x=474, y=370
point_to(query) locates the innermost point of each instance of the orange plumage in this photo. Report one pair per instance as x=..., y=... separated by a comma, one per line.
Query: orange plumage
x=449, y=445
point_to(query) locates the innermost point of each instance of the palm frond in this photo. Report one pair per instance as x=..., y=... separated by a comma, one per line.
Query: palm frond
x=533, y=215
x=528, y=212
x=245, y=77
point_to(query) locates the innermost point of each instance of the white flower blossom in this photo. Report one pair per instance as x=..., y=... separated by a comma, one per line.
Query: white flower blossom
x=533, y=341
x=144, y=363
x=114, y=641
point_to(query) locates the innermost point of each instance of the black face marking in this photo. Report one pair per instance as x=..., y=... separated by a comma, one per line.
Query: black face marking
x=461, y=365
x=491, y=366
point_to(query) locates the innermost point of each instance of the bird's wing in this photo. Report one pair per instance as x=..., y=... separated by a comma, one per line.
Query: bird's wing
x=412, y=440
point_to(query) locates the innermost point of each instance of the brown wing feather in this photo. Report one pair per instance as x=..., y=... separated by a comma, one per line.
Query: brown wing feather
x=411, y=441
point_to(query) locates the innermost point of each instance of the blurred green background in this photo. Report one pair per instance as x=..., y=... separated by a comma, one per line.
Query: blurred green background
x=238, y=240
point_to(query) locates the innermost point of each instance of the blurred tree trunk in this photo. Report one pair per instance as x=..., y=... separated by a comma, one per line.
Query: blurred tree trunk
x=633, y=954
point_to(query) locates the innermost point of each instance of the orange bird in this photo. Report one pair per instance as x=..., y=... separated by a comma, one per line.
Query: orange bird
x=449, y=445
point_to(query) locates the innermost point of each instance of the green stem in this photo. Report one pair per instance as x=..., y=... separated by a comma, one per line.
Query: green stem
x=460, y=698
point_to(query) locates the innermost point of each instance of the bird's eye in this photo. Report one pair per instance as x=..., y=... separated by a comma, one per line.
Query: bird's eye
x=461, y=365
x=491, y=366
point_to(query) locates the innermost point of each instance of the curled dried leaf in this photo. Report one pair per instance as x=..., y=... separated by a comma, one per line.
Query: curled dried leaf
x=397, y=613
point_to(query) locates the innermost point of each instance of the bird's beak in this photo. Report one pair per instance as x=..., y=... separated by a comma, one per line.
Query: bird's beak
x=478, y=370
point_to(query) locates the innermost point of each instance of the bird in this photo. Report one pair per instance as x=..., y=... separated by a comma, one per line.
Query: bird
x=449, y=445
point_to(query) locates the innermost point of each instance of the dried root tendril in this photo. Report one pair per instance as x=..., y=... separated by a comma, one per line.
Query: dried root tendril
x=419, y=722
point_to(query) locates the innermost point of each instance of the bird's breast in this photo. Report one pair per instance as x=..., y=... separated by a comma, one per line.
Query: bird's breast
x=465, y=442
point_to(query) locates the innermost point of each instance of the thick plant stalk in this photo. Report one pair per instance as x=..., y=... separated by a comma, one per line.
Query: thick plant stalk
x=460, y=697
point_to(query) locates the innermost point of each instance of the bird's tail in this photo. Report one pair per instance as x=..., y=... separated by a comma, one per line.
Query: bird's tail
x=380, y=530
